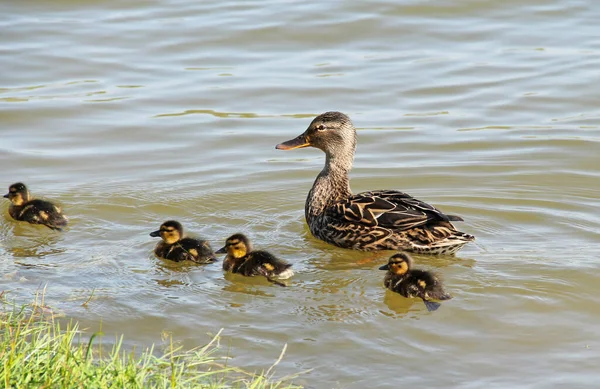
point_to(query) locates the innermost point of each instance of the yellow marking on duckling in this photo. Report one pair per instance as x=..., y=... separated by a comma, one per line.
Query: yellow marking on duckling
x=399, y=268
x=268, y=266
x=170, y=236
x=238, y=251
x=194, y=252
x=44, y=215
x=17, y=200
x=403, y=267
x=422, y=284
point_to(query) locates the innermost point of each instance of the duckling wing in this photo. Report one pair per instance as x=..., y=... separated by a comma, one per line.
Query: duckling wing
x=388, y=209
x=43, y=212
x=197, y=250
x=428, y=286
x=264, y=263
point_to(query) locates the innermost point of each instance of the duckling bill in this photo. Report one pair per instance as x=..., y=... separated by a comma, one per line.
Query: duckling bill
x=24, y=208
x=177, y=248
x=242, y=259
x=408, y=282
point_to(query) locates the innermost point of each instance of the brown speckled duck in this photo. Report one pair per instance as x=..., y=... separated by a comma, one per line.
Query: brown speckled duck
x=34, y=211
x=177, y=248
x=374, y=220
x=242, y=259
x=408, y=282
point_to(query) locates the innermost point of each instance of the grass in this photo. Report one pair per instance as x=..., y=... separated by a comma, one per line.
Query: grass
x=38, y=351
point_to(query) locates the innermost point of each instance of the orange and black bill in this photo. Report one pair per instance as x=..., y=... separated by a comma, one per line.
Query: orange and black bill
x=296, y=143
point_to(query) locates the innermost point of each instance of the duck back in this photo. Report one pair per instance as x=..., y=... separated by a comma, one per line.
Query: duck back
x=264, y=263
x=187, y=249
x=39, y=212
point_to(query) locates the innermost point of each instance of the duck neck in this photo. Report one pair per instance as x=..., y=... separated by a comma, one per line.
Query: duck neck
x=331, y=185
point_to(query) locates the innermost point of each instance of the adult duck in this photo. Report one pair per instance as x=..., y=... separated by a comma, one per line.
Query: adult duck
x=374, y=220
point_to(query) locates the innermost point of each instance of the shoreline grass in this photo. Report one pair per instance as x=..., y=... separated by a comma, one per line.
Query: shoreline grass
x=38, y=351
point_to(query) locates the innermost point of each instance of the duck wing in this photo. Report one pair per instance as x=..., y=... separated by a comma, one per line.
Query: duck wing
x=43, y=212
x=388, y=209
x=197, y=250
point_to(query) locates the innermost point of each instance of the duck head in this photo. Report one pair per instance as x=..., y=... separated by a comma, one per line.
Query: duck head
x=236, y=246
x=170, y=231
x=398, y=264
x=331, y=132
x=18, y=194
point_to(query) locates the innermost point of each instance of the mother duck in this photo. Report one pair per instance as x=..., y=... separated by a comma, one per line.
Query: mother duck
x=374, y=220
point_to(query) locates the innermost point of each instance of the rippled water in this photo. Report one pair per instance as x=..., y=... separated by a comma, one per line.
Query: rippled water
x=131, y=113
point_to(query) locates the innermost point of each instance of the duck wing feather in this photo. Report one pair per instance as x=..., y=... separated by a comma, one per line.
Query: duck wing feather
x=388, y=209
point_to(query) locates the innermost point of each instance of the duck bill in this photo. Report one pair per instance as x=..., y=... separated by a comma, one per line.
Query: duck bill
x=385, y=267
x=296, y=143
x=6, y=195
x=155, y=233
x=222, y=250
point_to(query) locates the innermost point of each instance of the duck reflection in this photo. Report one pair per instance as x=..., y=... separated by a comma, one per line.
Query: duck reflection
x=255, y=286
x=170, y=274
x=27, y=242
x=396, y=303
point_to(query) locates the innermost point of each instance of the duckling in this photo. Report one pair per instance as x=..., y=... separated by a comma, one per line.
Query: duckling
x=408, y=282
x=34, y=211
x=242, y=259
x=177, y=248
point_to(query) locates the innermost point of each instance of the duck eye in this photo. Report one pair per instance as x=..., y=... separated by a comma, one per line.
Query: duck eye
x=320, y=127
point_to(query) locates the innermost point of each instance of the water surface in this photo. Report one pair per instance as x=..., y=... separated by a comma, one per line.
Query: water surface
x=132, y=113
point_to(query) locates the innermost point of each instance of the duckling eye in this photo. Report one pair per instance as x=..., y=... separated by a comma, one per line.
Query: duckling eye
x=320, y=127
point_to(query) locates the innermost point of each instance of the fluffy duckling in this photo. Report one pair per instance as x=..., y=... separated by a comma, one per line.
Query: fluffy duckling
x=33, y=211
x=408, y=282
x=177, y=248
x=242, y=259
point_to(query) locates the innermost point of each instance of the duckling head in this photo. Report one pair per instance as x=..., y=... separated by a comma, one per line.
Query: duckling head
x=18, y=194
x=170, y=231
x=331, y=132
x=398, y=264
x=236, y=246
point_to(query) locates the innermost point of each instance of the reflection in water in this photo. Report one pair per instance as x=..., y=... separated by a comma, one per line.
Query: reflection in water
x=328, y=312
x=36, y=265
x=169, y=283
x=23, y=240
x=174, y=274
x=166, y=266
x=38, y=251
x=398, y=304
x=247, y=115
x=255, y=286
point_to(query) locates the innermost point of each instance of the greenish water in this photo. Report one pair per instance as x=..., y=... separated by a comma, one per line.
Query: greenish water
x=132, y=113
